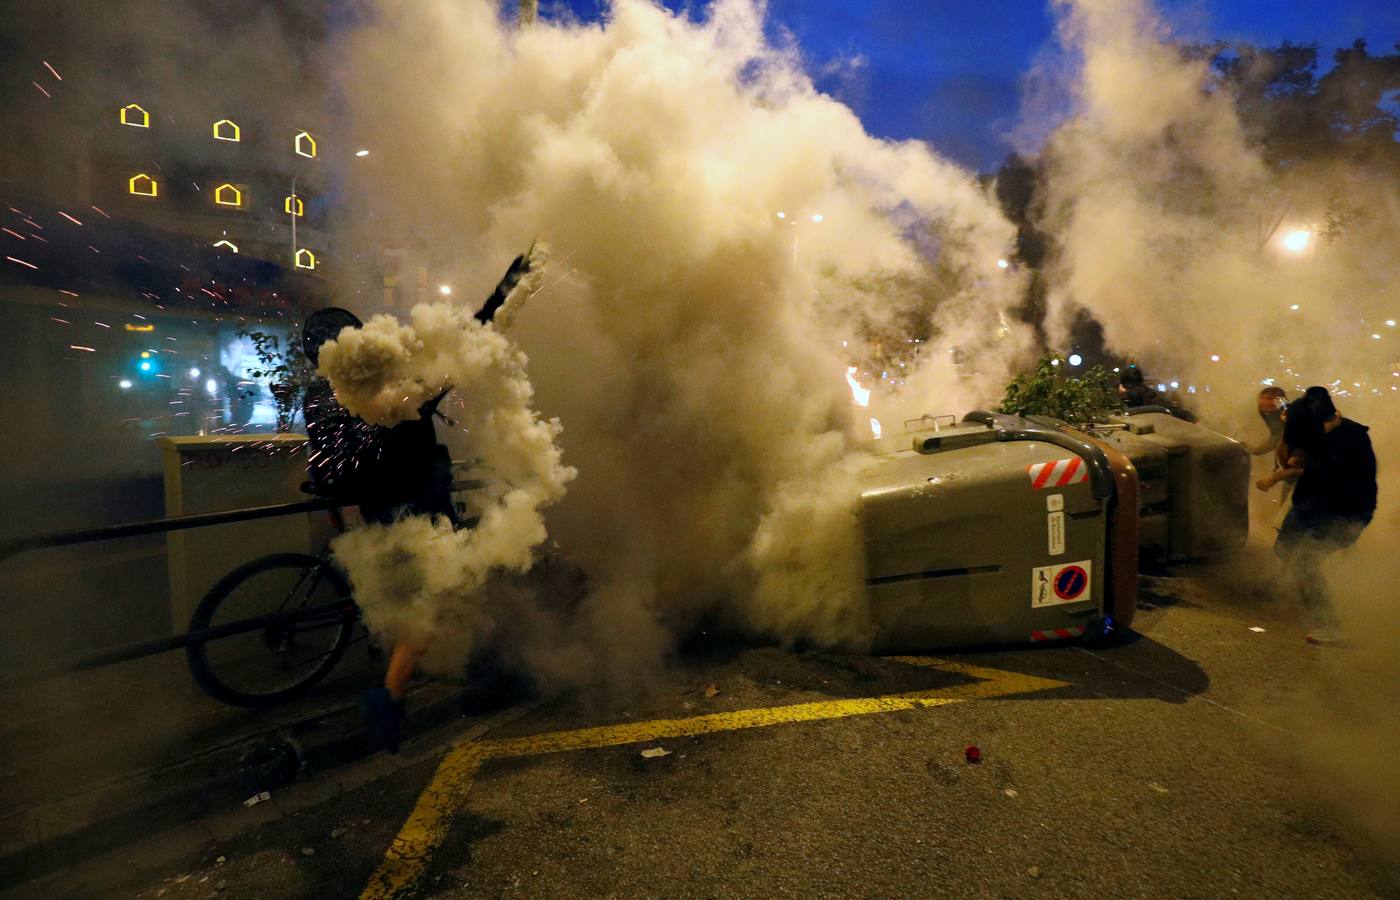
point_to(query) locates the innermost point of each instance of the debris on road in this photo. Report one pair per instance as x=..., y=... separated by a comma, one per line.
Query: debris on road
x=1157, y=787
x=258, y=798
x=655, y=753
x=337, y=832
x=711, y=690
x=221, y=860
x=1033, y=871
x=1010, y=792
x=973, y=754
x=308, y=851
x=1255, y=628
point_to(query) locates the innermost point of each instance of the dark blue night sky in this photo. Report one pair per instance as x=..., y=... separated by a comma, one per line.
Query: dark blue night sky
x=948, y=71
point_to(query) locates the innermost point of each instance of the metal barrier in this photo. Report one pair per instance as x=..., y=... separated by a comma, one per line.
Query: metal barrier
x=98, y=659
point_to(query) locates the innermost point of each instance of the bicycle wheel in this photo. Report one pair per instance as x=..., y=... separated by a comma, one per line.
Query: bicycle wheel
x=307, y=615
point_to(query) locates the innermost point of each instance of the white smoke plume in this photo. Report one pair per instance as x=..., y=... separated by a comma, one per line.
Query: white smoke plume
x=418, y=579
x=1212, y=267
x=1220, y=270
x=729, y=241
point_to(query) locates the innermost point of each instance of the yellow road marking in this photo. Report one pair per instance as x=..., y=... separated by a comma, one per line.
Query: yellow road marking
x=427, y=824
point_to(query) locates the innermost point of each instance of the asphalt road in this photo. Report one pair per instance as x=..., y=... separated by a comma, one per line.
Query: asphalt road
x=1187, y=763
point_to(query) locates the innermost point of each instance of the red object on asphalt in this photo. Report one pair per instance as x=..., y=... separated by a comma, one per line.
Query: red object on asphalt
x=973, y=754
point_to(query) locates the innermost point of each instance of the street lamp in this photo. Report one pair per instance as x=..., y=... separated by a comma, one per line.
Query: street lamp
x=1297, y=240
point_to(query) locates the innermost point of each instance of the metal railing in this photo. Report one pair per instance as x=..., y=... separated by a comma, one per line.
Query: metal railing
x=125, y=653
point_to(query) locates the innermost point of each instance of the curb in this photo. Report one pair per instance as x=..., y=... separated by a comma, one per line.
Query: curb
x=76, y=829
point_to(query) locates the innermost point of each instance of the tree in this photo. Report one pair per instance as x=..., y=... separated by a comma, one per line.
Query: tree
x=1049, y=391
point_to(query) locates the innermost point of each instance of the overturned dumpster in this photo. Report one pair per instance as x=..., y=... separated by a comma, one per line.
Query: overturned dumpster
x=1195, y=484
x=998, y=529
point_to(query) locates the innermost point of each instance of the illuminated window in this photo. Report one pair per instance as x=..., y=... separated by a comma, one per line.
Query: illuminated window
x=228, y=195
x=142, y=185
x=135, y=116
x=227, y=244
x=305, y=145
x=294, y=206
x=226, y=130
x=305, y=259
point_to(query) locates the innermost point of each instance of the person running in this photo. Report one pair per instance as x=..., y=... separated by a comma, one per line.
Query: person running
x=1333, y=465
x=1270, y=403
x=390, y=472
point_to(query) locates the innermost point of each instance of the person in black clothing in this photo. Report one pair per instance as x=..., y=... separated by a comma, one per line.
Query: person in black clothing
x=1132, y=390
x=1334, y=498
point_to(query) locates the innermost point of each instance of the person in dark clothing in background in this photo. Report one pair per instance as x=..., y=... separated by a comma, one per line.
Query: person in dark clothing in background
x=1132, y=390
x=1271, y=402
x=1334, y=499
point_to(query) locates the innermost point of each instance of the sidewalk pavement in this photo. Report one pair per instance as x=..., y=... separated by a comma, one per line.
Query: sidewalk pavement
x=95, y=761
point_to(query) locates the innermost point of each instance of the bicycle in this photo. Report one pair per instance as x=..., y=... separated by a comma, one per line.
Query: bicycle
x=306, y=616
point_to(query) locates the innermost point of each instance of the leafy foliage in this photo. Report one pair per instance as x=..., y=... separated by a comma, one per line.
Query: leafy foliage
x=1050, y=391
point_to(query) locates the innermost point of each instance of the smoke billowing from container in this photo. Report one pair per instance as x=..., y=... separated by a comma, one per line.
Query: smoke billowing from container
x=719, y=229
x=1219, y=271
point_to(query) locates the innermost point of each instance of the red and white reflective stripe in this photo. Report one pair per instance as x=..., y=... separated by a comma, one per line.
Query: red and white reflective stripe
x=1058, y=473
x=1058, y=634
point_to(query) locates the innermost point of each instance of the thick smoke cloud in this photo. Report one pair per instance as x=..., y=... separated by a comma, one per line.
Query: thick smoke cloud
x=418, y=579
x=689, y=337
x=1173, y=230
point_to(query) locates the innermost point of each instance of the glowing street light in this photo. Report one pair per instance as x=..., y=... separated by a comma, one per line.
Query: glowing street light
x=362, y=153
x=817, y=217
x=194, y=373
x=1075, y=359
x=445, y=290
x=1297, y=240
x=124, y=384
x=781, y=214
x=1003, y=264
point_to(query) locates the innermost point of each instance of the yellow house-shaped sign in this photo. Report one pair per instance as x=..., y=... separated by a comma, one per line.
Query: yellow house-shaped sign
x=294, y=206
x=135, y=116
x=305, y=145
x=228, y=195
x=142, y=185
x=227, y=130
x=304, y=259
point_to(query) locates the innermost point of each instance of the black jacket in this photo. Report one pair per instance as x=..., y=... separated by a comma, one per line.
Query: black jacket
x=1352, y=479
x=390, y=472
x=1342, y=483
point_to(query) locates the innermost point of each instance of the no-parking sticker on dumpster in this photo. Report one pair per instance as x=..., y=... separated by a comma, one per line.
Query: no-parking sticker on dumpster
x=1062, y=583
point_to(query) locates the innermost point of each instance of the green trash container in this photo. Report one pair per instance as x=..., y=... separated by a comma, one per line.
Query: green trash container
x=994, y=530
x=1195, y=484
